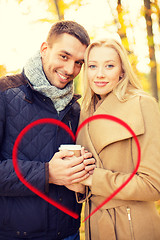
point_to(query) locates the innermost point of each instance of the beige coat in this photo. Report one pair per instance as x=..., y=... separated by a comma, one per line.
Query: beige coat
x=132, y=213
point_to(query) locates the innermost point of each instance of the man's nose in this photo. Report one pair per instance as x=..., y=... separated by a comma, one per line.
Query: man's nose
x=69, y=68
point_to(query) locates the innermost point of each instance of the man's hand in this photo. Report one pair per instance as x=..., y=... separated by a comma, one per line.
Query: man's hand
x=68, y=171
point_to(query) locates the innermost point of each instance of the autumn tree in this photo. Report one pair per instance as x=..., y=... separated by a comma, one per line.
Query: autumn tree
x=156, y=5
x=3, y=70
x=60, y=6
x=122, y=26
x=151, y=45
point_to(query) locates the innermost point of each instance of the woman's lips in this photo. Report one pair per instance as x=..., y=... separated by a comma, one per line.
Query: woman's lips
x=100, y=84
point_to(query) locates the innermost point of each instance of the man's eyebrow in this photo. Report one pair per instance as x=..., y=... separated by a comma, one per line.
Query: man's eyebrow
x=65, y=52
x=69, y=54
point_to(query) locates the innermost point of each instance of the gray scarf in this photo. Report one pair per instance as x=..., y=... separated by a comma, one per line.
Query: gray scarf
x=34, y=72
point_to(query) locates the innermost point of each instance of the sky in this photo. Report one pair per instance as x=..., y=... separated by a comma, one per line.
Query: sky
x=22, y=35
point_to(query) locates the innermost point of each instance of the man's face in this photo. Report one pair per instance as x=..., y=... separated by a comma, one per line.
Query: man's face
x=62, y=61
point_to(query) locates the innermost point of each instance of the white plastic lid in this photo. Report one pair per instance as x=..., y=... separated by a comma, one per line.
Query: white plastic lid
x=70, y=147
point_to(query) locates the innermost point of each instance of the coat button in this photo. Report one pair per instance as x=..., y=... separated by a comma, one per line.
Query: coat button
x=25, y=234
x=18, y=233
x=58, y=233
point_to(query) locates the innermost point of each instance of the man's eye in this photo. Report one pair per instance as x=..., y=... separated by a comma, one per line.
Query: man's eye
x=79, y=63
x=64, y=57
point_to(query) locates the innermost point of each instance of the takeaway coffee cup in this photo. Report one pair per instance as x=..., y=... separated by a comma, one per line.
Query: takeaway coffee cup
x=72, y=147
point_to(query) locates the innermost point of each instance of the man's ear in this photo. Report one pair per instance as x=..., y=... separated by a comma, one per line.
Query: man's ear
x=43, y=48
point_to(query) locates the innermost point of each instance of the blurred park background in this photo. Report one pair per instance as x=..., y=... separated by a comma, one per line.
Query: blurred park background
x=24, y=25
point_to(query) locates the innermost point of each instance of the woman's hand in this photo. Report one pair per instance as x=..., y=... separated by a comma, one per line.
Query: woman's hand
x=76, y=187
x=87, y=181
x=89, y=161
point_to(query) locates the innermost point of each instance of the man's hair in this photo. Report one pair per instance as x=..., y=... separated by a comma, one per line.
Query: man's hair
x=69, y=27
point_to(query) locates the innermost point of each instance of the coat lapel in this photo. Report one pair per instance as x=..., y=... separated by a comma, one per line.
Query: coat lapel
x=102, y=132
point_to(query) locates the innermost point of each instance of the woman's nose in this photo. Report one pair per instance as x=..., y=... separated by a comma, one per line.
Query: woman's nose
x=100, y=73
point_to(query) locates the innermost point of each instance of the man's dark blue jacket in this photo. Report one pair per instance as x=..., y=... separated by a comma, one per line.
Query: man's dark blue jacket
x=22, y=213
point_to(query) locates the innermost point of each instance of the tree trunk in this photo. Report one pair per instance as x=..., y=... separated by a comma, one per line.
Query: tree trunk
x=153, y=64
x=158, y=11
x=60, y=16
x=122, y=28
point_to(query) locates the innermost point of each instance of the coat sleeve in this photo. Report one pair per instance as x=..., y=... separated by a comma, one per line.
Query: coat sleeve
x=145, y=185
x=33, y=172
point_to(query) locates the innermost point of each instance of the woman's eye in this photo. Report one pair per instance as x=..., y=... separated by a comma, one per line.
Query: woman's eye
x=92, y=66
x=109, y=66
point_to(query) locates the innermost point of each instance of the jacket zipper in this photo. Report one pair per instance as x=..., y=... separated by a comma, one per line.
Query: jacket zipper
x=70, y=125
x=130, y=223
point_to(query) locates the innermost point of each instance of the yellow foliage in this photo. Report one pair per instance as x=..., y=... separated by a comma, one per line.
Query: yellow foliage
x=158, y=75
x=158, y=206
x=152, y=64
x=59, y=7
x=3, y=70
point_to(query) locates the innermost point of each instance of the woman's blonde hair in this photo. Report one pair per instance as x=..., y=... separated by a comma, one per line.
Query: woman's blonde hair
x=127, y=87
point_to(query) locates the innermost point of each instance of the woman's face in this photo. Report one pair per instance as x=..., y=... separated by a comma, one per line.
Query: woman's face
x=104, y=69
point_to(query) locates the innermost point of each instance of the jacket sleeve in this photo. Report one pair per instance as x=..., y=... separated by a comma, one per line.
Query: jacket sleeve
x=33, y=172
x=145, y=185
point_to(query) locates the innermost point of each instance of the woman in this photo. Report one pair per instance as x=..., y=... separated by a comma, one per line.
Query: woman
x=111, y=88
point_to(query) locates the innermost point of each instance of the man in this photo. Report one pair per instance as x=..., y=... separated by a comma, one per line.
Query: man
x=43, y=90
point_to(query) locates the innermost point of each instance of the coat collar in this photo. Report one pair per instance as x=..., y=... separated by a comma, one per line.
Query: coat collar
x=103, y=132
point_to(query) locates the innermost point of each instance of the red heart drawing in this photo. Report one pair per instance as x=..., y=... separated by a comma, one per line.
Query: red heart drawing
x=67, y=129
